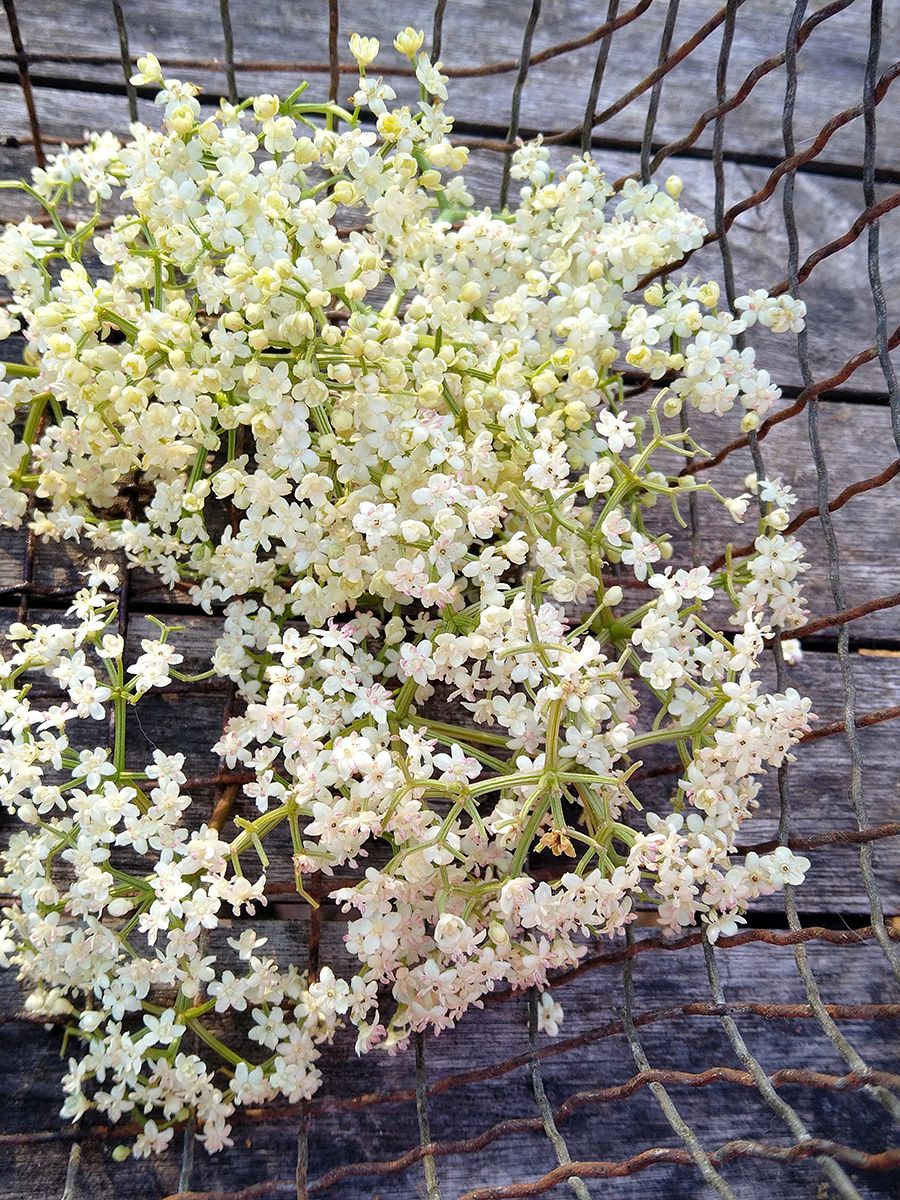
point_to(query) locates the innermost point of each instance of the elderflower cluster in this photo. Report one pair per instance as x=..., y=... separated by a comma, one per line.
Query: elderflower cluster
x=384, y=434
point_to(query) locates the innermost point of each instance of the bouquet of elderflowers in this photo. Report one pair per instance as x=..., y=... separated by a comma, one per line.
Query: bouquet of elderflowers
x=414, y=414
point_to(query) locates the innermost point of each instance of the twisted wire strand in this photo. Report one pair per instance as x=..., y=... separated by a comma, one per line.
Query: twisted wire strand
x=665, y=44
x=524, y=62
x=699, y=1156
x=597, y=79
x=228, y=40
x=841, y=1044
x=831, y=1169
x=125, y=53
x=548, y=1120
x=857, y=796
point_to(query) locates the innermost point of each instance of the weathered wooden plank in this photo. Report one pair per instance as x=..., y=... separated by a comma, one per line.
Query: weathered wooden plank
x=848, y=975
x=857, y=444
x=188, y=719
x=831, y=63
x=838, y=297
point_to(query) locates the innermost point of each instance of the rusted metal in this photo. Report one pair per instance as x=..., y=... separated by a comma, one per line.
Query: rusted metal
x=316, y=66
x=660, y=71
x=886, y=1160
x=595, y=1169
x=786, y=167
x=864, y=221
x=726, y=106
x=833, y=837
x=861, y=721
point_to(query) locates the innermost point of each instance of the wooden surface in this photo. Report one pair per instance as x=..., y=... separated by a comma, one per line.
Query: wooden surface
x=855, y=429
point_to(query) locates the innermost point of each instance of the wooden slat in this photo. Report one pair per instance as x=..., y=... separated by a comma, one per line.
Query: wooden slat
x=188, y=720
x=614, y=1130
x=555, y=94
x=841, y=319
x=857, y=443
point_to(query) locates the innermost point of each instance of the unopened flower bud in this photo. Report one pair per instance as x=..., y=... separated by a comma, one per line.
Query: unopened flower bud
x=654, y=295
x=344, y=192
x=409, y=41
x=708, y=295
x=640, y=356
x=265, y=107
x=749, y=422
x=341, y=422
x=148, y=70
x=181, y=118
x=498, y=933
x=544, y=383
x=364, y=49
x=672, y=405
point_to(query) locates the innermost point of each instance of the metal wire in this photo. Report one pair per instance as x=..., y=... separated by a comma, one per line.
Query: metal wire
x=548, y=1121
x=656, y=91
x=437, y=30
x=834, y=570
x=597, y=79
x=125, y=52
x=524, y=60
x=228, y=38
x=680, y=1126
x=799, y=1118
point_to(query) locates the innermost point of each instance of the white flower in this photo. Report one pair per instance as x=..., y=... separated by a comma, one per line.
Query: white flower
x=393, y=507
x=549, y=1015
x=363, y=49
x=431, y=78
x=640, y=553
x=92, y=765
x=152, y=668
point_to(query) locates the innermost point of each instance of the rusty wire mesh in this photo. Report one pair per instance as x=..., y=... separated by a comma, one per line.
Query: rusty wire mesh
x=792, y=1137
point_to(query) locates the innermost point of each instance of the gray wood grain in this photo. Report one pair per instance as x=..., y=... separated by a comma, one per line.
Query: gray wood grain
x=837, y=294
x=613, y=1130
x=857, y=444
x=554, y=97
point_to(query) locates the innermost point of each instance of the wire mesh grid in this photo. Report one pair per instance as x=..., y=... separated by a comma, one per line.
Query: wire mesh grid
x=845, y=1169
